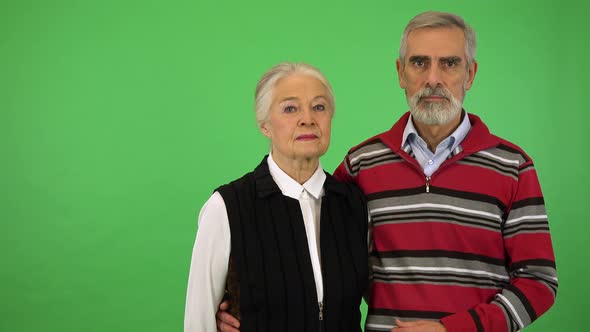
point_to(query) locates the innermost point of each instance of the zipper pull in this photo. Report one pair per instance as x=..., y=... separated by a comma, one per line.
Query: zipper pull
x=428, y=184
x=321, y=305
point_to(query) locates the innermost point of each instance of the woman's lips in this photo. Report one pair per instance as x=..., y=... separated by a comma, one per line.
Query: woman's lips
x=307, y=137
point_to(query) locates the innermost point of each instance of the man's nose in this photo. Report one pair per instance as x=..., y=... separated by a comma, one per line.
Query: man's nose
x=434, y=77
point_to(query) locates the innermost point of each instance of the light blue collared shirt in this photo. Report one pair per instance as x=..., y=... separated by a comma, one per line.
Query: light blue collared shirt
x=430, y=162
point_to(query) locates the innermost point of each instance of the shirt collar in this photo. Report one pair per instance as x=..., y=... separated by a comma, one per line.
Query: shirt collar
x=461, y=132
x=410, y=129
x=291, y=188
x=455, y=138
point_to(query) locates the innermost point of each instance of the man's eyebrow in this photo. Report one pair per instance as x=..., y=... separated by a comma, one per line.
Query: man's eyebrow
x=454, y=59
x=419, y=58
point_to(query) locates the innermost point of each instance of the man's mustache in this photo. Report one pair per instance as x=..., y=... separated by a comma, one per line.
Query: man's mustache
x=438, y=91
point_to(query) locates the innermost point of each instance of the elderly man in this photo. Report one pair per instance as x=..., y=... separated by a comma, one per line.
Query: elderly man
x=460, y=234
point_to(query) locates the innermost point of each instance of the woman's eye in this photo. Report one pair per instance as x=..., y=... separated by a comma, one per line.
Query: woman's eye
x=319, y=108
x=289, y=109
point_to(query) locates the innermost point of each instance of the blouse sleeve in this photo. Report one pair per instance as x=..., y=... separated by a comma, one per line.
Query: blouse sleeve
x=209, y=264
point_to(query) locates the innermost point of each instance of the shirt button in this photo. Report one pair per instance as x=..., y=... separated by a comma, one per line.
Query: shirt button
x=430, y=162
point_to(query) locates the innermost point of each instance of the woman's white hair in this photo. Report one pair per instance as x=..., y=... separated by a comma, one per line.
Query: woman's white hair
x=268, y=81
x=433, y=19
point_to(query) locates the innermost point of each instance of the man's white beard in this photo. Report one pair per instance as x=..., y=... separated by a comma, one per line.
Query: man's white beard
x=434, y=113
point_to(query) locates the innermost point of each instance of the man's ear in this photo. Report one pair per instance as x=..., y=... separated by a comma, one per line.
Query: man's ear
x=400, y=73
x=471, y=71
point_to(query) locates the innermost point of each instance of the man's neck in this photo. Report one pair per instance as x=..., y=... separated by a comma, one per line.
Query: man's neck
x=434, y=134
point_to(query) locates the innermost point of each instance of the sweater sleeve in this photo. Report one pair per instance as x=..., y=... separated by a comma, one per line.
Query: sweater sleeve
x=530, y=263
x=343, y=173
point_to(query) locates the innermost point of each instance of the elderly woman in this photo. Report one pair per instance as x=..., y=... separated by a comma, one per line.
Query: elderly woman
x=286, y=242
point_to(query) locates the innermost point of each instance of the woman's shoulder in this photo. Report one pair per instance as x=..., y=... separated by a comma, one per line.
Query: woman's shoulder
x=348, y=188
x=250, y=177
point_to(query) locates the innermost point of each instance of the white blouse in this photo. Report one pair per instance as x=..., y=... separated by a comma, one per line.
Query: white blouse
x=209, y=263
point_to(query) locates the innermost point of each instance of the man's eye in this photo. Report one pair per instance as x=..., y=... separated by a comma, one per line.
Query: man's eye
x=418, y=63
x=451, y=63
x=289, y=109
x=319, y=108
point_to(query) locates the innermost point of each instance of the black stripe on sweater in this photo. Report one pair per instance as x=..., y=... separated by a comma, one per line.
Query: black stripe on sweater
x=526, y=228
x=510, y=318
x=492, y=163
x=435, y=213
x=438, y=190
x=435, y=275
x=525, y=302
x=532, y=262
x=462, y=280
x=476, y=320
x=384, y=218
x=550, y=283
x=366, y=143
x=374, y=160
x=532, y=201
x=513, y=150
x=396, y=193
x=408, y=313
x=441, y=253
x=468, y=195
x=526, y=168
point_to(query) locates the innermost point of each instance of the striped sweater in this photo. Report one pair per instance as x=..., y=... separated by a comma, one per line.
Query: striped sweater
x=468, y=246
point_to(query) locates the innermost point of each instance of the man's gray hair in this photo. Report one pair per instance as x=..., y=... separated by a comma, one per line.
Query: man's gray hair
x=433, y=19
x=268, y=81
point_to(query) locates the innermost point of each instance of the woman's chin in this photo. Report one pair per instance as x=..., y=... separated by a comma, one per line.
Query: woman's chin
x=310, y=154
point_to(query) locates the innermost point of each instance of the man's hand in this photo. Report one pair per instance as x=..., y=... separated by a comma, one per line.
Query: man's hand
x=225, y=321
x=418, y=326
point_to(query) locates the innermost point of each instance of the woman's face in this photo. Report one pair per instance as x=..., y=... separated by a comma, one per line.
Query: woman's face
x=300, y=118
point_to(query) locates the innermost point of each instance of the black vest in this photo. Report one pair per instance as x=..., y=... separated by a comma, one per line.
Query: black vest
x=271, y=257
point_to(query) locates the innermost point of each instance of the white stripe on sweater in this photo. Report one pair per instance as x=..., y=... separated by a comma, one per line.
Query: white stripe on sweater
x=439, y=269
x=485, y=153
x=367, y=154
x=511, y=307
x=440, y=206
x=533, y=217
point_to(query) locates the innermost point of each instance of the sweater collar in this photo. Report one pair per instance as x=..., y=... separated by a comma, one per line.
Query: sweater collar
x=478, y=138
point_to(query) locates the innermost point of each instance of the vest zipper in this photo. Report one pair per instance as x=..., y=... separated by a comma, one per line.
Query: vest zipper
x=428, y=184
x=321, y=313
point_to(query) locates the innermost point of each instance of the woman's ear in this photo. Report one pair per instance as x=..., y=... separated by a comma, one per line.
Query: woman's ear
x=265, y=129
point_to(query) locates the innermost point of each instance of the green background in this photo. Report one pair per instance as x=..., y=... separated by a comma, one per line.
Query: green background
x=119, y=118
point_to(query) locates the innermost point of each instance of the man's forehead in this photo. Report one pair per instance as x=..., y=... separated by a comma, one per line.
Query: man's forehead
x=436, y=42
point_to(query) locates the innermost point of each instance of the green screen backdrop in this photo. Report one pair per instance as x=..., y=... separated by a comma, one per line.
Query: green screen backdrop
x=119, y=118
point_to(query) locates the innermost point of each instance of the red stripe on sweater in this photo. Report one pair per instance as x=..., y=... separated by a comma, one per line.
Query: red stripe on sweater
x=426, y=297
x=527, y=246
x=438, y=236
x=532, y=188
x=488, y=182
x=386, y=177
x=540, y=296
